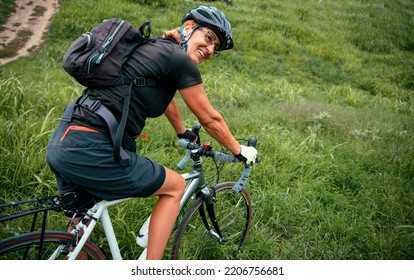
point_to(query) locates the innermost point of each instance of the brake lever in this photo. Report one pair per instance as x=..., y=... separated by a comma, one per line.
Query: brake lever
x=196, y=129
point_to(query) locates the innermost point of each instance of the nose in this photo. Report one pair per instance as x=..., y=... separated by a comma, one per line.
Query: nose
x=211, y=48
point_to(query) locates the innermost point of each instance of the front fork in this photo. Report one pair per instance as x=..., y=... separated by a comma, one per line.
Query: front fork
x=210, y=199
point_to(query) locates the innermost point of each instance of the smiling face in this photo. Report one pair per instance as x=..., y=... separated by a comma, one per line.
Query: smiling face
x=202, y=43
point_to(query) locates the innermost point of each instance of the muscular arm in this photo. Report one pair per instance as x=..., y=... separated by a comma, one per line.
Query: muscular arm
x=174, y=117
x=196, y=99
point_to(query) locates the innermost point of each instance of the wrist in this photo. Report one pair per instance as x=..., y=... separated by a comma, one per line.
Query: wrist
x=180, y=132
x=239, y=150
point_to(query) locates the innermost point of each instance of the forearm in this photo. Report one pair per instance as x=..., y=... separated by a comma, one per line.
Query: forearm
x=174, y=117
x=218, y=129
x=209, y=118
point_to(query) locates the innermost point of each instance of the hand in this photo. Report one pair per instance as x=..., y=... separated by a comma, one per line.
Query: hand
x=188, y=134
x=247, y=154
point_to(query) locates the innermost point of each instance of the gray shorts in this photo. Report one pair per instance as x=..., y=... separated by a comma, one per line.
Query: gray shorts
x=82, y=157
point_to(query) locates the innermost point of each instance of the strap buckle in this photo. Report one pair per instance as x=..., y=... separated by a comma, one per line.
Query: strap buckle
x=89, y=102
x=139, y=82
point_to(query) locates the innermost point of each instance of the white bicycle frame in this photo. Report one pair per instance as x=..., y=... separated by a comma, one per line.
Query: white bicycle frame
x=195, y=181
x=100, y=212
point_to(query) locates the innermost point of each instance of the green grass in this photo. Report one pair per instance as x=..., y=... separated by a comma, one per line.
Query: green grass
x=326, y=86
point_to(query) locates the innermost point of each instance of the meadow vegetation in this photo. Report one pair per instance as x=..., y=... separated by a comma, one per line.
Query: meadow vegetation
x=326, y=86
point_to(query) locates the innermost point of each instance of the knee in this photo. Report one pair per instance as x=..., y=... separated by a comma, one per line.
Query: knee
x=179, y=185
x=173, y=186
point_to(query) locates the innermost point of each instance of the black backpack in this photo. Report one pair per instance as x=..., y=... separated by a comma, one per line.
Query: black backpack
x=95, y=60
x=96, y=57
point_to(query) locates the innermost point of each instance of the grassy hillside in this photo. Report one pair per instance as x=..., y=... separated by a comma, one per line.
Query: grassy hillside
x=326, y=86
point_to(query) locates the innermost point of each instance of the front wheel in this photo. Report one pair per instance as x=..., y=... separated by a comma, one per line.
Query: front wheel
x=54, y=245
x=234, y=217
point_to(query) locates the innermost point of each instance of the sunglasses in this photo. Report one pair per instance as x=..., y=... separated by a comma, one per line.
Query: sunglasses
x=211, y=39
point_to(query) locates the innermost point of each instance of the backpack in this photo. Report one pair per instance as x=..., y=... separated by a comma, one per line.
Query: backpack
x=95, y=60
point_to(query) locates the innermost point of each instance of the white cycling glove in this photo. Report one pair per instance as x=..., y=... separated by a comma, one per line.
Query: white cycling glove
x=247, y=154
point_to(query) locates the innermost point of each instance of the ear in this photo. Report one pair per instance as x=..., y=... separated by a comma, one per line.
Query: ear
x=188, y=26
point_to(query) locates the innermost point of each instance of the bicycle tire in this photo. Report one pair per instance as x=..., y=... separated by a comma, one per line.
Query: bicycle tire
x=234, y=215
x=27, y=246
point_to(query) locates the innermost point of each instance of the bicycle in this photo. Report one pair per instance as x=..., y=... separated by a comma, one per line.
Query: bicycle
x=218, y=234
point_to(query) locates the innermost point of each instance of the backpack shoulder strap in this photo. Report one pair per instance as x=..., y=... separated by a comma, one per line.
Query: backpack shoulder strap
x=116, y=129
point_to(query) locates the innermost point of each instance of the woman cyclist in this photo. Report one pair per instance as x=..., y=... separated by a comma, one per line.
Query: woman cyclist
x=80, y=151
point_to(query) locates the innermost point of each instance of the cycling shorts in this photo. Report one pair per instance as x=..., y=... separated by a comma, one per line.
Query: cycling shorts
x=82, y=157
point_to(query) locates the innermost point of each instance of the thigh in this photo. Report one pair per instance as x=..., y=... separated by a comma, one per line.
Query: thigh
x=174, y=184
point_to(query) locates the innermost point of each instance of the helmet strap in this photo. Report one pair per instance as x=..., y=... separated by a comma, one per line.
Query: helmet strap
x=184, y=39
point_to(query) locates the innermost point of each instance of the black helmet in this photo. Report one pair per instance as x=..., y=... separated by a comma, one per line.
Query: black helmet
x=213, y=18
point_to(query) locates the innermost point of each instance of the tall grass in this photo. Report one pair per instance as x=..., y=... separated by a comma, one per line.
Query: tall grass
x=326, y=86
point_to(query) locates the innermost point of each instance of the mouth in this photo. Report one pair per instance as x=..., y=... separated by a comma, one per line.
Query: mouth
x=201, y=53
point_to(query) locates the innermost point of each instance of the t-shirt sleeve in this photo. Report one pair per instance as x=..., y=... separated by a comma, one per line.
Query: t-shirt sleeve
x=184, y=71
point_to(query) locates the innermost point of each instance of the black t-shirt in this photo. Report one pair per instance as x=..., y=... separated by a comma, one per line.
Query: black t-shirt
x=162, y=60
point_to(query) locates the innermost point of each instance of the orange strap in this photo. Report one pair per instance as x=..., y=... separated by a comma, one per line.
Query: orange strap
x=145, y=136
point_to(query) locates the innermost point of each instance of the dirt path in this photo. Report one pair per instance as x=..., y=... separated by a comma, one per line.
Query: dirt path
x=27, y=25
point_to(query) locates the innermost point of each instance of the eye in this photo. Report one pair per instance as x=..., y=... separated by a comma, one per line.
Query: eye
x=209, y=38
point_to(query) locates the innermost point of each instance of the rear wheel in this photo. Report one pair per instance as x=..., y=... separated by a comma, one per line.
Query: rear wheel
x=234, y=217
x=54, y=245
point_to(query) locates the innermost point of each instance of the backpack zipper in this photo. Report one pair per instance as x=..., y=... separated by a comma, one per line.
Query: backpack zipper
x=97, y=58
x=108, y=42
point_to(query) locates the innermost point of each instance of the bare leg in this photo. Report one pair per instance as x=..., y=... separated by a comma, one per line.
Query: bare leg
x=164, y=214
